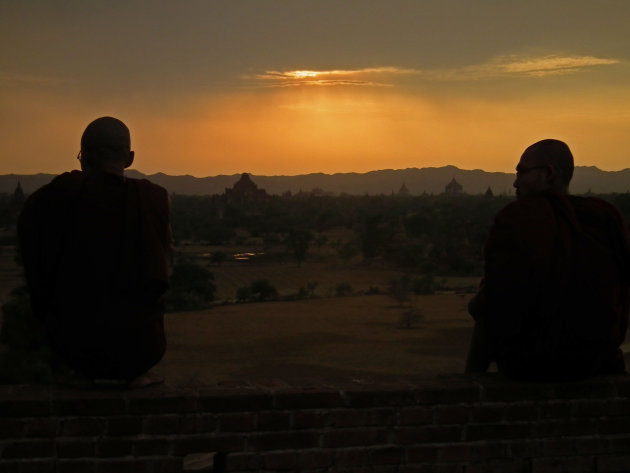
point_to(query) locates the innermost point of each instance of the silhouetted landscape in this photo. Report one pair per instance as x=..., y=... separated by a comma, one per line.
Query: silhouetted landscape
x=268, y=267
x=417, y=181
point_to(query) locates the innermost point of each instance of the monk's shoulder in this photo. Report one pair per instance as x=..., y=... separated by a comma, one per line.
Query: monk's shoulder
x=526, y=211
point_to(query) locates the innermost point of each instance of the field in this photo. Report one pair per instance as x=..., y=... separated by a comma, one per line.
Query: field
x=356, y=337
x=341, y=338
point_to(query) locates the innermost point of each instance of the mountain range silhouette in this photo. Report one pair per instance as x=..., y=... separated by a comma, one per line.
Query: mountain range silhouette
x=431, y=180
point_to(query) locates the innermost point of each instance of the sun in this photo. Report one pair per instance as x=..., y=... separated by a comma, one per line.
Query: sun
x=303, y=74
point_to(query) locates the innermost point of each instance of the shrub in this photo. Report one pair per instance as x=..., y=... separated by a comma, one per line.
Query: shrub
x=263, y=290
x=343, y=289
x=191, y=287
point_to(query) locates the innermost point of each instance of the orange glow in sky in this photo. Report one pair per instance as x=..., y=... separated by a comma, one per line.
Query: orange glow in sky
x=212, y=88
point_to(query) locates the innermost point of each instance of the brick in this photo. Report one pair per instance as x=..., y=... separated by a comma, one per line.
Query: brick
x=237, y=422
x=124, y=466
x=150, y=447
x=12, y=428
x=490, y=450
x=455, y=453
x=80, y=403
x=351, y=457
x=525, y=448
x=596, y=445
x=37, y=466
x=428, y=434
x=555, y=410
x=160, y=403
x=233, y=400
x=452, y=415
x=75, y=448
x=123, y=425
x=448, y=468
x=243, y=461
x=347, y=418
x=283, y=441
x=113, y=447
x=615, y=426
x=613, y=463
x=593, y=388
x=42, y=427
x=167, y=424
x=505, y=465
x=619, y=408
x=558, y=446
x=311, y=459
x=594, y=408
x=353, y=437
x=303, y=399
x=274, y=421
x=449, y=390
x=526, y=411
x=563, y=464
x=618, y=444
x=28, y=449
x=197, y=423
x=498, y=389
x=381, y=417
x=83, y=427
x=168, y=465
x=310, y=419
x=75, y=466
x=487, y=413
x=379, y=398
x=421, y=454
x=556, y=428
x=497, y=431
x=183, y=445
x=24, y=408
x=387, y=455
x=12, y=466
x=280, y=461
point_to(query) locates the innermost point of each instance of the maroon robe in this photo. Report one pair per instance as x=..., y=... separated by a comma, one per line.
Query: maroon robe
x=555, y=294
x=95, y=256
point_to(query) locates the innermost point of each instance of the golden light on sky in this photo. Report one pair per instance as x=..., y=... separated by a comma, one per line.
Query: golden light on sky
x=315, y=86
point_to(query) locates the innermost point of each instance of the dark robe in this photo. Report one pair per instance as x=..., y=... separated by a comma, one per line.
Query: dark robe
x=95, y=256
x=555, y=295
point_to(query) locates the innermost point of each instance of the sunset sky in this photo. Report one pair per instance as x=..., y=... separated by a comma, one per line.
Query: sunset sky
x=289, y=87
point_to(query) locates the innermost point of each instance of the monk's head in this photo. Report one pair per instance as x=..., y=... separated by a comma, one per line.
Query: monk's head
x=544, y=166
x=106, y=147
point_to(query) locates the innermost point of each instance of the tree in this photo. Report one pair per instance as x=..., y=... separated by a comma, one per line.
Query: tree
x=400, y=289
x=298, y=241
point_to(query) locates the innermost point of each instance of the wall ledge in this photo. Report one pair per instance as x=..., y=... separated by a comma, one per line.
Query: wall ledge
x=463, y=423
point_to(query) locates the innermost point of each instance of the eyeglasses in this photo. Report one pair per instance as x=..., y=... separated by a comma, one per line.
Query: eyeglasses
x=520, y=172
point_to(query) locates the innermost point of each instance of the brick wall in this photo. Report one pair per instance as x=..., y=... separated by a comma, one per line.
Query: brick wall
x=451, y=424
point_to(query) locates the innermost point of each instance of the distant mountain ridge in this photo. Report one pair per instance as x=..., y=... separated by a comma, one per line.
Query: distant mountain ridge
x=430, y=180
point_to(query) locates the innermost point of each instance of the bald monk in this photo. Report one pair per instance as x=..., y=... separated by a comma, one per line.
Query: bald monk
x=95, y=245
x=553, y=304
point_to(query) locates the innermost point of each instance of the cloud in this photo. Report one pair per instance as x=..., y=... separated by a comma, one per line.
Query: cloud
x=374, y=77
x=519, y=66
x=500, y=67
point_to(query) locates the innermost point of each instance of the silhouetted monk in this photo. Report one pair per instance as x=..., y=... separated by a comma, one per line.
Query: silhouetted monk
x=553, y=304
x=95, y=245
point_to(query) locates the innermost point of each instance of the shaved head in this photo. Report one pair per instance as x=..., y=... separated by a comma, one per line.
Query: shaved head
x=106, y=132
x=555, y=153
x=106, y=146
